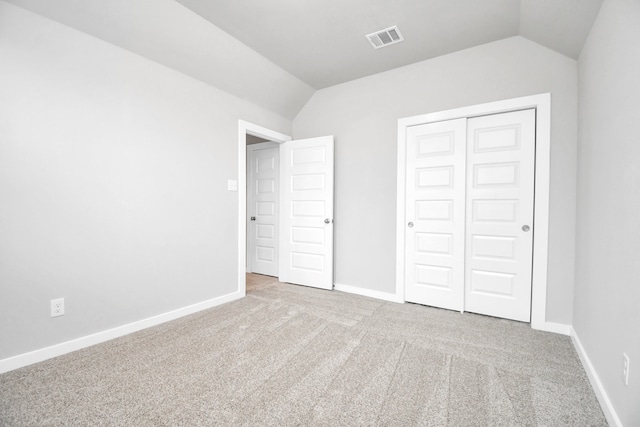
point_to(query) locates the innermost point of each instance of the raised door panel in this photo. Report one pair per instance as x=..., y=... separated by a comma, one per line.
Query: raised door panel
x=434, y=233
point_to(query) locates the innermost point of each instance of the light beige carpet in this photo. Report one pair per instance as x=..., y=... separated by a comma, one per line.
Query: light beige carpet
x=289, y=355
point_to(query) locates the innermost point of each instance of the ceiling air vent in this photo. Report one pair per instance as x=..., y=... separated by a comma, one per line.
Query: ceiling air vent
x=385, y=37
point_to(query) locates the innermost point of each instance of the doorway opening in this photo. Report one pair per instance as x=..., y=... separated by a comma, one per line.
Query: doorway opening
x=305, y=202
x=248, y=132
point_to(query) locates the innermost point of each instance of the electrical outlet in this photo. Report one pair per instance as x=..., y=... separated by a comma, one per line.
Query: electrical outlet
x=625, y=368
x=57, y=307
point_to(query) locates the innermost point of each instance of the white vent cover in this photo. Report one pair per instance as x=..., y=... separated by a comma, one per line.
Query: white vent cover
x=385, y=37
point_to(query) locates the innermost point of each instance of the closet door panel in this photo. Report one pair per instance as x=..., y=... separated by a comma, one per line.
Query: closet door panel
x=434, y=223
x=499, y=218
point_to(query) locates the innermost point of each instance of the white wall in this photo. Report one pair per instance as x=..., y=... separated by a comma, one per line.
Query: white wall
x=363, y=115
x=169, y=33
x=113, y=177
x=607, y=290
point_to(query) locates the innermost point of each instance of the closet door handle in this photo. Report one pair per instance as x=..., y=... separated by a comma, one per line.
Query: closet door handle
x=526, y=228
x=410, y=225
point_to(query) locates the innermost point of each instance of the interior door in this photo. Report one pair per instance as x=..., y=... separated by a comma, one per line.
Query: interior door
x=499, y=220
x=306, y=189
x=435, y=198
x=264, y=161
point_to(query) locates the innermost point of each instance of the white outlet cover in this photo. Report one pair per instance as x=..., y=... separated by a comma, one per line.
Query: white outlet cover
x=232, y=185
x=57, y=307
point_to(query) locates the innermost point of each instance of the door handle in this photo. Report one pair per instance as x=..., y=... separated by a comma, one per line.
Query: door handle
x=410, y=225
x=328, y=221
x=526, y=228
x=253, y=218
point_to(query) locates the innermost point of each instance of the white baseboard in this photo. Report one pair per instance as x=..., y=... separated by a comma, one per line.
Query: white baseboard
x=598, y=388
x=367, y=292
x=39, y=355
x=556, y=328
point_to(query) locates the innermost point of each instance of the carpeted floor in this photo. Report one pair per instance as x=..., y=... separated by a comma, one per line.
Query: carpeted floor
x=291, y=355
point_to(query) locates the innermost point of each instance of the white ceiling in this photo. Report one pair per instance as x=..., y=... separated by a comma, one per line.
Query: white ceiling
x=275, y=53
x=322, y=41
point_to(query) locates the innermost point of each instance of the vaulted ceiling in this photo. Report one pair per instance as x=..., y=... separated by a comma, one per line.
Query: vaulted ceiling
x=322, y=42
x=276, y=53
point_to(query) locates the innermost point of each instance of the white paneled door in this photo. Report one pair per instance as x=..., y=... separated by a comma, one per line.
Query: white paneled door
x=469, y=214
x=264, y=160
x=499, y=221
x=435, y=214
x=306, y=190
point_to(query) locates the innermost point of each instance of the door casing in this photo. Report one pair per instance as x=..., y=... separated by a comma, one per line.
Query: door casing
x=542, y=104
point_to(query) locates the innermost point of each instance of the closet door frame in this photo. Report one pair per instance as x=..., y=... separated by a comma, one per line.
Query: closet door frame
x=542, y=104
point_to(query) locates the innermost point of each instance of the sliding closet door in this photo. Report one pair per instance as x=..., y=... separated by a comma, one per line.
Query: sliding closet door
x=435, y=198
x=469, y=214
x=499, y=220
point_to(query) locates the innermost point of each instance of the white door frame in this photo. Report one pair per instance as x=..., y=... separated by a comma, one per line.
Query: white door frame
x=244, y=129
x=542, y=104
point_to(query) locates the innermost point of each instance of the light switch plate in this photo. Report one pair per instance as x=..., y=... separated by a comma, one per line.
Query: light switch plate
x=232, y=185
